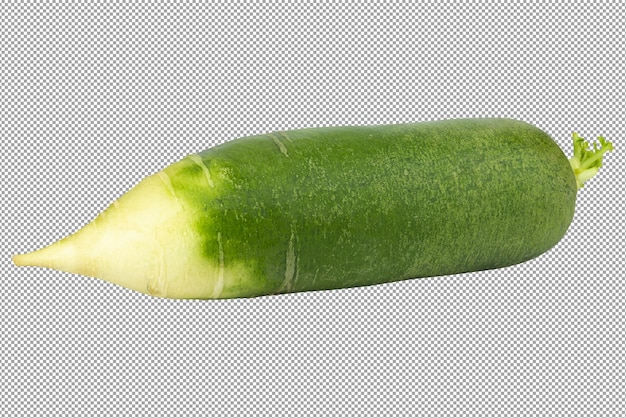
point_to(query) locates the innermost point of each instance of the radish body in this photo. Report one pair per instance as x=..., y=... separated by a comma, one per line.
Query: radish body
x=326, y=208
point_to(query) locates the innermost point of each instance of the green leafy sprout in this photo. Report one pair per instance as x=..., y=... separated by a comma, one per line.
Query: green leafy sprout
x=586, y=161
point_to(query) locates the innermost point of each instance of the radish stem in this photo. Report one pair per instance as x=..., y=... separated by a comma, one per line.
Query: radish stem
x=586, y=162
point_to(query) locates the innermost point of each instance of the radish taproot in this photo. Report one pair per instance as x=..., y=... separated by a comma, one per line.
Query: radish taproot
x=327, y=208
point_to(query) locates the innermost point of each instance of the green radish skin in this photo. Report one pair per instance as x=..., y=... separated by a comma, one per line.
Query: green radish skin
x=328, y=208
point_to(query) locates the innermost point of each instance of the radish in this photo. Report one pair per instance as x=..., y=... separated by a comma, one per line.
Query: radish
x=327, y=208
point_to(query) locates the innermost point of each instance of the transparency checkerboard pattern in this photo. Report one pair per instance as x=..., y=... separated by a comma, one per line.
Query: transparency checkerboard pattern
x=93, y=97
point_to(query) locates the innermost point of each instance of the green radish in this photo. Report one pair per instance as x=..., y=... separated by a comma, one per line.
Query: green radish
x=328, y=208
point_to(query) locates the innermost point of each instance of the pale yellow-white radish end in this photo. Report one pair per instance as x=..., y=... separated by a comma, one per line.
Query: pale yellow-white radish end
x=29, y=259
x=145, y=241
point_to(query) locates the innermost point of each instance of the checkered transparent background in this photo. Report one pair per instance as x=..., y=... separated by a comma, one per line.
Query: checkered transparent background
x=93, y=97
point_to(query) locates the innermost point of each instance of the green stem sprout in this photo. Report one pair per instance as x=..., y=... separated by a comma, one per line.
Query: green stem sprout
x=586, y=162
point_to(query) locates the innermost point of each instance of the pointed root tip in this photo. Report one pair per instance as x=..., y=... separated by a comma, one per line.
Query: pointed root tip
x=28, y=259
x=20, y=260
